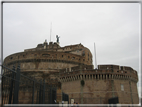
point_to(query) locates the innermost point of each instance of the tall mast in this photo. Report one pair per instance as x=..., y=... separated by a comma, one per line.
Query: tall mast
x=95, y=57
x=50, y=30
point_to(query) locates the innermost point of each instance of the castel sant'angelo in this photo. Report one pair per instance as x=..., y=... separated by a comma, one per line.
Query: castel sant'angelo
x=72, y=66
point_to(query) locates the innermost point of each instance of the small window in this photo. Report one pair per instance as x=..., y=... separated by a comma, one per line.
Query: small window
x=46, y=55
x=62, y=56
x=122, y=87
x=73, y=57
x=83, y=54
x=68, y=56
x=11, y=58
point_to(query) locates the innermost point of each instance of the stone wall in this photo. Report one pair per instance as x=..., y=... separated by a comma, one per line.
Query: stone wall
x=42, y=59
x=72, y=64
x=101, y=84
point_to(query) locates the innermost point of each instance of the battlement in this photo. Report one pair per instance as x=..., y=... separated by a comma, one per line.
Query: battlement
x=117, y=67
x=96, y=74
x=103, y=70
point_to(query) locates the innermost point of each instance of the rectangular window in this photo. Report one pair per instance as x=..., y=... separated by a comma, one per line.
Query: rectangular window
x=122, y=87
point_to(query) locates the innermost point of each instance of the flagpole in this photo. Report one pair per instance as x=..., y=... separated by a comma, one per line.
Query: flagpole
x=95, y=56
x=50, y=30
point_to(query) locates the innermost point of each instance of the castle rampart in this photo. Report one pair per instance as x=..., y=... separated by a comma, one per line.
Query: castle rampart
x=96, y=74
x=72, y=66
x=111, y=81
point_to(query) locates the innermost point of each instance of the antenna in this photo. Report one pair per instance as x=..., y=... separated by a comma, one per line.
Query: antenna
x=50, y=30
x=95, y=56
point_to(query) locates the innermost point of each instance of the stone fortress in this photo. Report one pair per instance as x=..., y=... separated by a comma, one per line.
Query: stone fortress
x=72, y=66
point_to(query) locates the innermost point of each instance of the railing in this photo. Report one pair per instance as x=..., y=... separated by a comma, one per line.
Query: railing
x=20, y=89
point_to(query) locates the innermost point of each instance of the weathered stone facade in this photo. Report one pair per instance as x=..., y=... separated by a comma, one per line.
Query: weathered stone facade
x=71, y=65
x=102, y=84
x=52, y=58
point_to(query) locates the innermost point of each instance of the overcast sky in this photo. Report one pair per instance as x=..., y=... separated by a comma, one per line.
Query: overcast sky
x=113, y=27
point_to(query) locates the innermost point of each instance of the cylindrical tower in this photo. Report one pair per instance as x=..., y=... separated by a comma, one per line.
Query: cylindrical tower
x=46, y=59
x=99, y=85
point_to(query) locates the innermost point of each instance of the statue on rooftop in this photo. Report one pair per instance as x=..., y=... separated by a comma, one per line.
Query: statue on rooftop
x=57, y=38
